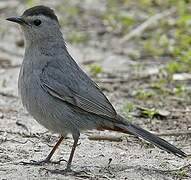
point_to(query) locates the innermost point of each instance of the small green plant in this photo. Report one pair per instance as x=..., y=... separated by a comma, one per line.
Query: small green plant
x=178, y=89
x=116, y=19
x=95, y=69
x=126, y=109
x=159, y=87
x=150, y=113
x=159, y=83
x=150, y=47
x=143, y=94
x=29, y=3
x=76, y=38
x=125, y=19
x=174, y=67
x=146, y=2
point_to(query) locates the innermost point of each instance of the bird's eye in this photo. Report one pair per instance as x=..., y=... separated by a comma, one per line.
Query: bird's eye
x=37, y=22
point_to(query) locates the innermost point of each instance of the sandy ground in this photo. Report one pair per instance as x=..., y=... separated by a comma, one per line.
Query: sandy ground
x=23, y=139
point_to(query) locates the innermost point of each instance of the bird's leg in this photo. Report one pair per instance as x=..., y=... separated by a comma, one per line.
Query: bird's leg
x=68, y=167
x=76, y=138
x=47, y=159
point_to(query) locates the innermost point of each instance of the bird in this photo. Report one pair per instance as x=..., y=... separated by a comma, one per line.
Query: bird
x=58, y=94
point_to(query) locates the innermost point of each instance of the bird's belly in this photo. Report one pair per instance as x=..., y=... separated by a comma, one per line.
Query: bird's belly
x=54, y=114
x=44, y=108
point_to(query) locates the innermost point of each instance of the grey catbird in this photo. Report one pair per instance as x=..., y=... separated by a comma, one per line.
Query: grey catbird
x=58, y=93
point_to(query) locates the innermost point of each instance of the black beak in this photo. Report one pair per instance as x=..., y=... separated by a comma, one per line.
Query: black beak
x=18, y=20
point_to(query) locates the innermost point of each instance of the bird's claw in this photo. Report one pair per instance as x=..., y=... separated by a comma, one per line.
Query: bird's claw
x=36, y=163
x=42, y=162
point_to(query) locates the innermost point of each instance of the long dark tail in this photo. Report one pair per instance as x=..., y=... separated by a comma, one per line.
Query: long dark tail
x=127, y=127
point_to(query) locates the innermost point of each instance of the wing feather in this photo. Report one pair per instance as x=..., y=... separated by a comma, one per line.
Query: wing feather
x=69, y=83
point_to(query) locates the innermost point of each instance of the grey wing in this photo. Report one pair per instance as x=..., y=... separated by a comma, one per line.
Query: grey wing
x=69, y=83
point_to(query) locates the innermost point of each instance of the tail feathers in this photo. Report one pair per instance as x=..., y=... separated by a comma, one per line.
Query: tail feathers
x=161, y=143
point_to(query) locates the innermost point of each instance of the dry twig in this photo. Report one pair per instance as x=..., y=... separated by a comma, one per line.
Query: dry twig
x=149, y=22
x=175, y=133
x=105, y=138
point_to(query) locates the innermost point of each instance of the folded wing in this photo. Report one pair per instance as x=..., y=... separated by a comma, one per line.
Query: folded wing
x=67, y=82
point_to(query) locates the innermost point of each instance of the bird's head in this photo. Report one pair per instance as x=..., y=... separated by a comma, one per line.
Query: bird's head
x=38, y=23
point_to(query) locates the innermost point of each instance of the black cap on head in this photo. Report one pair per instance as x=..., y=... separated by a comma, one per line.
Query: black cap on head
x=41, y=10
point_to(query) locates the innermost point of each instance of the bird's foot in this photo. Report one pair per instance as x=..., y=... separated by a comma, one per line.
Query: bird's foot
x=41, y=162
x=36, y=163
